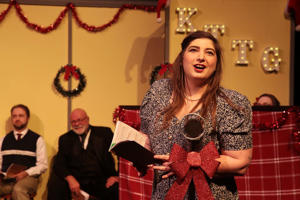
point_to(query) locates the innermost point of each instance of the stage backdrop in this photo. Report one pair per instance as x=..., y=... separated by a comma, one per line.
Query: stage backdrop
x=261, y=21
x=116, y=62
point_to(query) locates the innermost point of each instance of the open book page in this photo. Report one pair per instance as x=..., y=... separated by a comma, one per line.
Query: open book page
x=81, y=196
x=123, y=132
x=14, y=169
x=11, y=173
x=85, y=195
x=132, y=145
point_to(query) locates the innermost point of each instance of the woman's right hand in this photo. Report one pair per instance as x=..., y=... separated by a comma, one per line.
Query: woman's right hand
x=165, y=165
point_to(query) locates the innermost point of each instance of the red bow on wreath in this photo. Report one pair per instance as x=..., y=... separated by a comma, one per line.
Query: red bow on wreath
x=70, y=70
x=164, y=68
x=192, y=166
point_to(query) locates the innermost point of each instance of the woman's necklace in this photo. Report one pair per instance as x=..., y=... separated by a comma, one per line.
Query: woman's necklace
x=189, y=99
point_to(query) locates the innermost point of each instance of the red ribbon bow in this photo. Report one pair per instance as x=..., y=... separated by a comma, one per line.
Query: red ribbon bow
x=192, y=166
x=164, y=68
x=70, y=70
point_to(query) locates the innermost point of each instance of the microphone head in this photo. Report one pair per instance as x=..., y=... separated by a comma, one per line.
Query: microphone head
x=193, y=126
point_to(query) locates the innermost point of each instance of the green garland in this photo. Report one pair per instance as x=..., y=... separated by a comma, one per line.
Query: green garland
x=160, y=69
x=154, y=74
x=69, y=93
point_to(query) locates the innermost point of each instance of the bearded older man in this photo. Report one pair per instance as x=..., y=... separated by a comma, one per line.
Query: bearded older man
x=83, y=164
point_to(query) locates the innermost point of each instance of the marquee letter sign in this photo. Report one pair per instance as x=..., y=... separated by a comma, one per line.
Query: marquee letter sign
x=182, y=20
x=214, y=29
x=270, y=60
x=242, y=55
x=273, y=64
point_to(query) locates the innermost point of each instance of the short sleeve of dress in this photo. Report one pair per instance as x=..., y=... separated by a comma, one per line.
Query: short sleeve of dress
x=154, y=101
x=234, y=126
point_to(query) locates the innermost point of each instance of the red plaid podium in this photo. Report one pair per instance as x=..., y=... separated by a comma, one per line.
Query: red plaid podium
x=131, y=185
x=274, y=173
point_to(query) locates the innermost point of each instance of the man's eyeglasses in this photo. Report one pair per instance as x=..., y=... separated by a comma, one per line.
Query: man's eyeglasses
x=78, y=120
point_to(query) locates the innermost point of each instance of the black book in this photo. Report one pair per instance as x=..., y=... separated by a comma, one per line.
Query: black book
x=133, y=146
x=13, y=170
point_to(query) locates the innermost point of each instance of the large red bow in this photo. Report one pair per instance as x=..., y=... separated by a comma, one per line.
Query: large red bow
x=70, y=70
x=192, y=166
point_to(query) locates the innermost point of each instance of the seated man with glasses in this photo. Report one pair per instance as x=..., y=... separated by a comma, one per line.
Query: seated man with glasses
x=83, y=166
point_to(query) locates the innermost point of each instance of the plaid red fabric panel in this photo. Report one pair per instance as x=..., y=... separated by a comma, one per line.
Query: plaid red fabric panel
x=274, y=173
x=131, y=185
x=130, y=115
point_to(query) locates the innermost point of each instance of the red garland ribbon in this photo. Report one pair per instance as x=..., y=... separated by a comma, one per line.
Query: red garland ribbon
x=57, y=22
x=164, y=68
x=273, y=125
x=296, y=138
x=4, y=12
x=36, y=27
x=192, y=166
x=111, y=22
x=296, y=132
x=70, y=70
x=281, y=121
x=129, y=117
x=117, y=113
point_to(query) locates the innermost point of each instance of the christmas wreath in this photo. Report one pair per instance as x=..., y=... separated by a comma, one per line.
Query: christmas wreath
x=161, y=70
x=70, y=70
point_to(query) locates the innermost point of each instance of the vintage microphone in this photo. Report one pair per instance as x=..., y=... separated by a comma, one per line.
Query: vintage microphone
x=193, y=128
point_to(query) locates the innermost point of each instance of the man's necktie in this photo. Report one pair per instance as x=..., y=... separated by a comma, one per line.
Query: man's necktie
x=82, y=137
x=19, y=136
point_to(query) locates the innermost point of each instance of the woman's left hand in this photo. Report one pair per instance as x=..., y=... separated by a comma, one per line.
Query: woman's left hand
x=234, y=162
x=111, y=180
x=165, y=165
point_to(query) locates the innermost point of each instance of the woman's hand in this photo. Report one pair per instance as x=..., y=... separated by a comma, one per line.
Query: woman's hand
x=234, y=162
x=111, y=180
x=165, y=165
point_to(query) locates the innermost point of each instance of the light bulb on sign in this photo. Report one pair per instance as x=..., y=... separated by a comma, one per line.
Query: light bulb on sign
x=268, y=62
x=242, y=51
x=214, y=29
x=185, y=20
